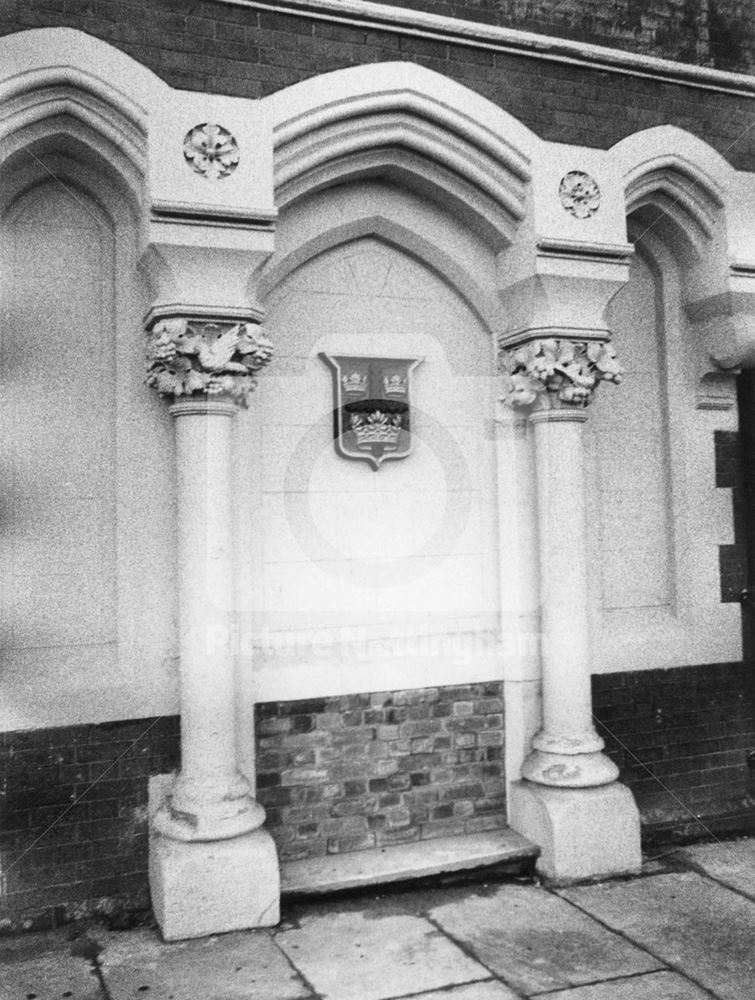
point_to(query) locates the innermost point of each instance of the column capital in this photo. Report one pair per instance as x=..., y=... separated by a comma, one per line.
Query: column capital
x=723, y=337
x=203, y=359
x=725, y=323
x=556, y=374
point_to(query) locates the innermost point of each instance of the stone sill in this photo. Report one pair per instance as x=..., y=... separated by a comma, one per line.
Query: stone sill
x=442, y=855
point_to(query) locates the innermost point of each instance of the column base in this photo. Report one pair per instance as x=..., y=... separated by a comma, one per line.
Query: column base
x=208, y=821
x=211, y=886
x=582, y=833
x=569, y=770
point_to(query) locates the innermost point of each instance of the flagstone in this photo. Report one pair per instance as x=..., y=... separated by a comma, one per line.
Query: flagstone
x=239, y=966
x=350, y=954
x=492, y=990
x=687, y=920
x=654, y=986
x=536, y=941
x=732, y=862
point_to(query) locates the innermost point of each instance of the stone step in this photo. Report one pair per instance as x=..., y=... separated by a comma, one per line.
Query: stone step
x=401, y=862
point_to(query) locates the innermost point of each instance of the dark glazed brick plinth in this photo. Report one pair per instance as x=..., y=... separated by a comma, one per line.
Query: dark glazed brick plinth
x=681, y=738
x=360, y=771
x=73, y=818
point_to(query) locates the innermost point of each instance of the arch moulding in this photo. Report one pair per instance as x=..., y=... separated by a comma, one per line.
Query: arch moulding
x=684, y=193
x=408, y=124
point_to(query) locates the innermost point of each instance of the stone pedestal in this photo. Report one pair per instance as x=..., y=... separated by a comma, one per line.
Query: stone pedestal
x=581, y=832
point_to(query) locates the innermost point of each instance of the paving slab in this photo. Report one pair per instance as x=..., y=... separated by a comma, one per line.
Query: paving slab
x=239, y=966
x=492, y=990
x=693, y=924
x=653, y=986
x=535, y=941
x=137, y=964
x=374, y=956
x=41, y=966
x=731, y=861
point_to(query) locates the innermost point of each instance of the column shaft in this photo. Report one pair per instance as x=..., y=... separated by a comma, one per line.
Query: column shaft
x=567, y=749
x=210, y=799
x=567, y=713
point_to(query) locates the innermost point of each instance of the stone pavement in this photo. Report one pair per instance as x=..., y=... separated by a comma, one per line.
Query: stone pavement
x=684, y=930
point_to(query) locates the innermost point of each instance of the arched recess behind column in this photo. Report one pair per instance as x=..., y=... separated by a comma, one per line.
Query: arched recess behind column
x=401, y=163
x=677, y=204
x=66, y=132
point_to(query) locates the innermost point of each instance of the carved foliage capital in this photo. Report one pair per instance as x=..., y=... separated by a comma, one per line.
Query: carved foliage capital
x=556, y=373
x=197, y=358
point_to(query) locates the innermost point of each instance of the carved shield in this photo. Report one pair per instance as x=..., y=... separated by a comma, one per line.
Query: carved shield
x=371, y=418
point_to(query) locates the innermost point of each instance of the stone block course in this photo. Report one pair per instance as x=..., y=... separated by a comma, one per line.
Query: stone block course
x=392, y=778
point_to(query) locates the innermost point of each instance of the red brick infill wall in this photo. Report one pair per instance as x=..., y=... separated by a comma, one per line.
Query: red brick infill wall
x=366, y=770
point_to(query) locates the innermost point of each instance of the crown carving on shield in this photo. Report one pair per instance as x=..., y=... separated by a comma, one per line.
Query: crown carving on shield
x=395, y=385
x=354, y=384
x=376, y=428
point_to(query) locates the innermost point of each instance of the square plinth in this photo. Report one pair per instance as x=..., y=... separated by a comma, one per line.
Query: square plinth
x=208, y=887
x=582, y=833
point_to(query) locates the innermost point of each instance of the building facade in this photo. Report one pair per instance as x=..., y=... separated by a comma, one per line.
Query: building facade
x=426, y=515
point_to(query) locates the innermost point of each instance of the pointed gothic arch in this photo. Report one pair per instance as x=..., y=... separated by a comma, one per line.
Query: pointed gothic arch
x=678, y=186
x=409, y=125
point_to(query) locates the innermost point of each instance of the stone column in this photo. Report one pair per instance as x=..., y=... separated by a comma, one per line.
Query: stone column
x=212, y=867
x=569, y=801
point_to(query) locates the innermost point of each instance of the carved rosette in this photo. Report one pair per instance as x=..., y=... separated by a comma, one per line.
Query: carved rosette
x=211, y=150
x=579, y=194
x=549, y=374
x=200, y=359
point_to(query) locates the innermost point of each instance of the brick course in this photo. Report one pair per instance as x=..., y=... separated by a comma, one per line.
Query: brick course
x=252, y=52
x=681, y=739
x=360, y=771
x=718, y=33
x=73, y=818
x=344, y=774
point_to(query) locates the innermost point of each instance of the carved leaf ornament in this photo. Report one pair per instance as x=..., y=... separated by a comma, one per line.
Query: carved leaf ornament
x=185, y=358
x=567, y=370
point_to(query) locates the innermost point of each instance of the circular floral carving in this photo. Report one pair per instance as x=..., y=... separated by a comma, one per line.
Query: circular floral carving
x=579, y=194
x=211, y=150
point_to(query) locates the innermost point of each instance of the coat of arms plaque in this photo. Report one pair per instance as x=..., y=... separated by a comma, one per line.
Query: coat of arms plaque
x=371, y=419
